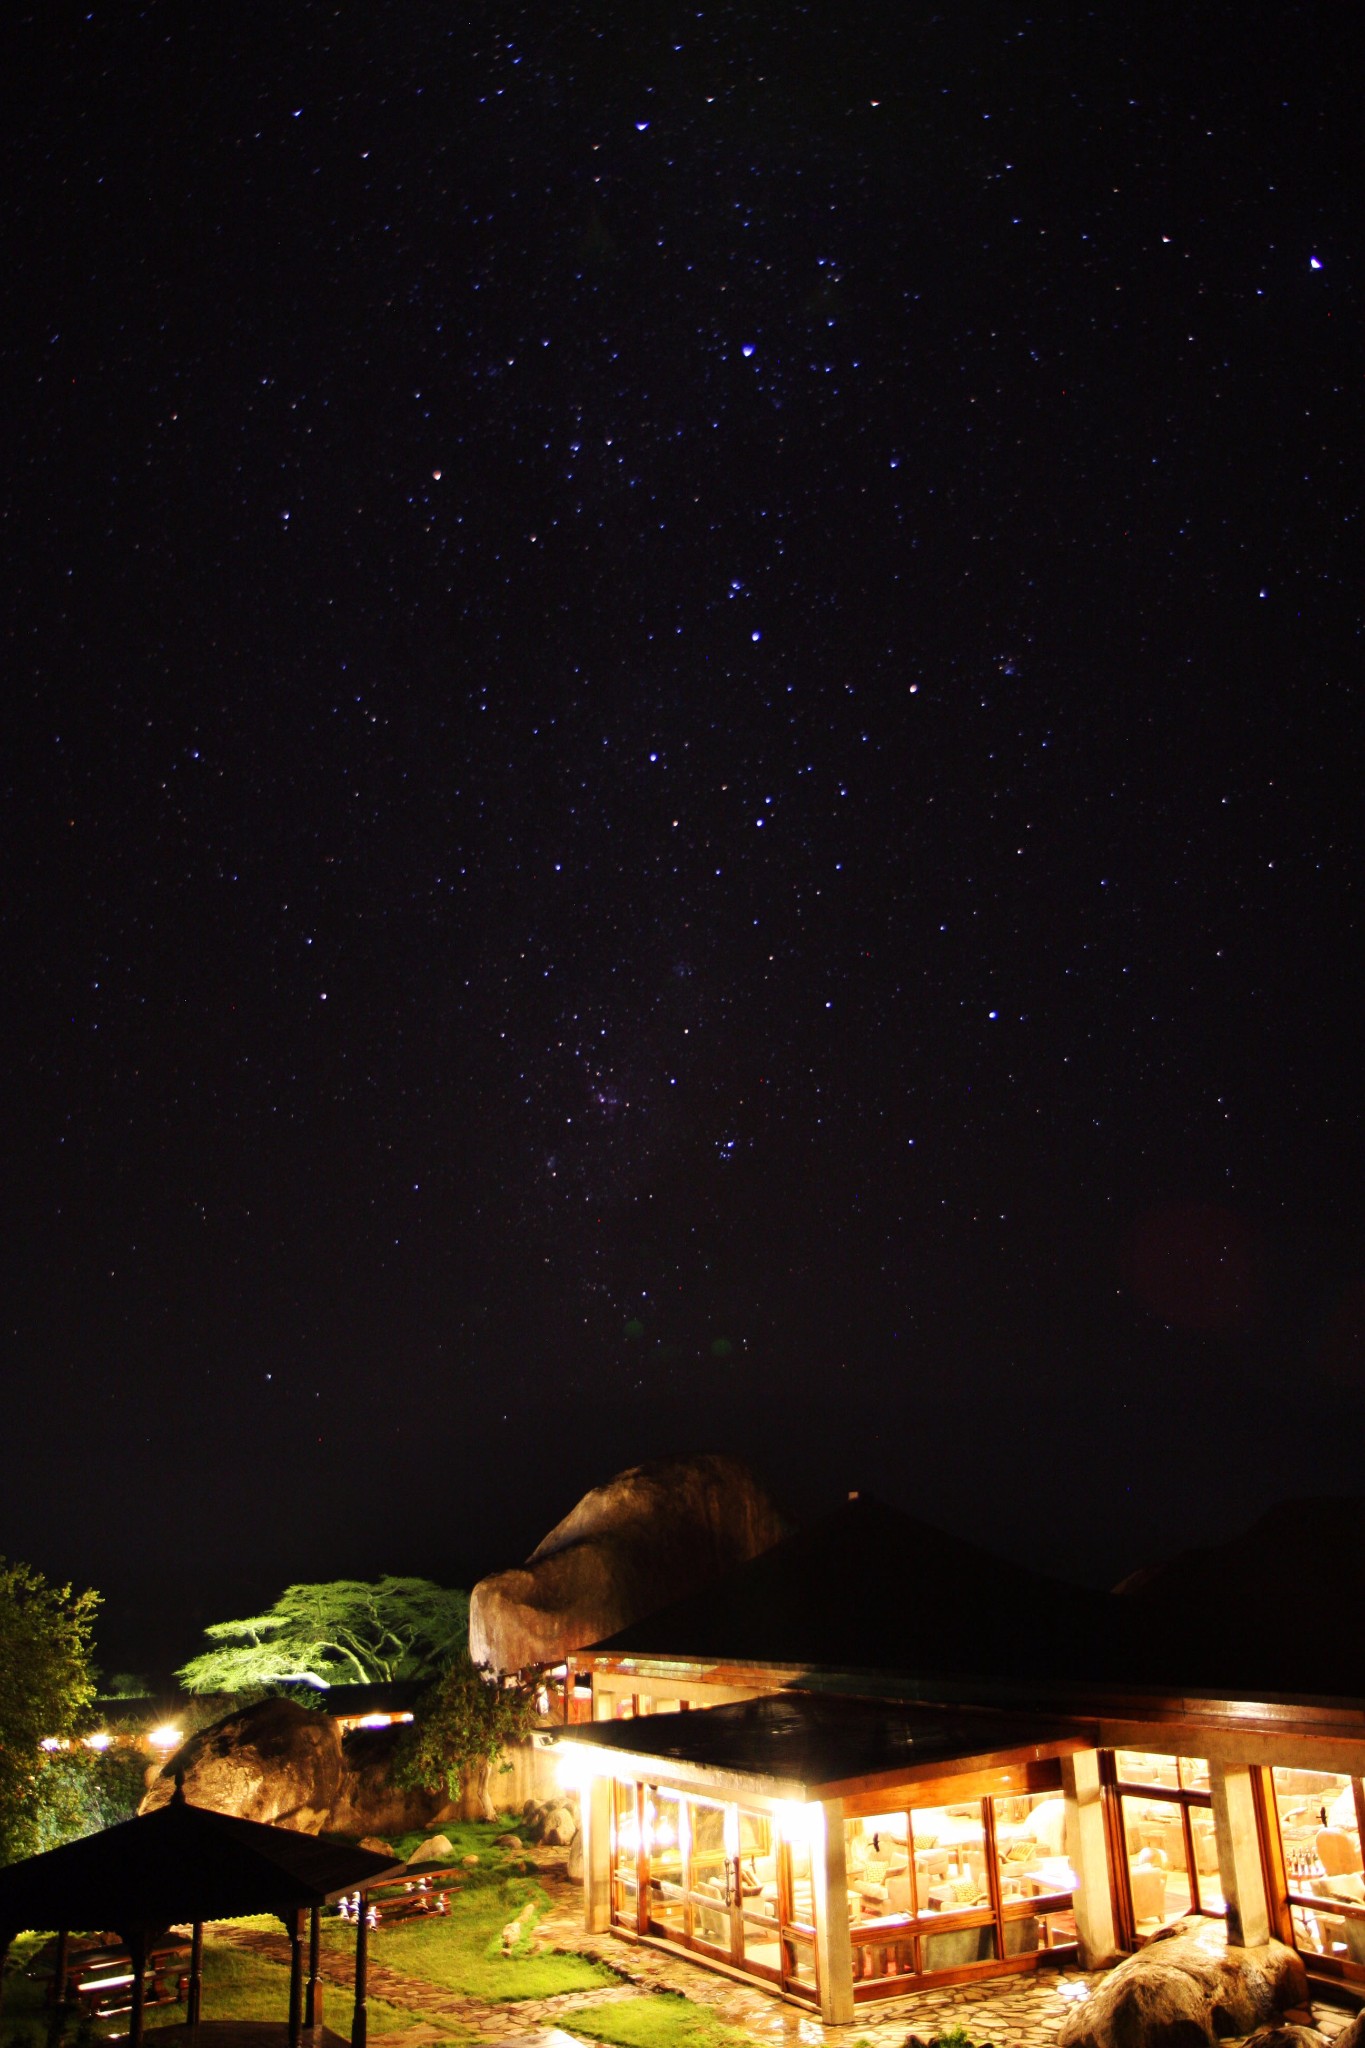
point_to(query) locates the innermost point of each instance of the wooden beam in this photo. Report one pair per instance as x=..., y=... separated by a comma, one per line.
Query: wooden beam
x=295, y=1927
x=312, y=2009
x=360, y=2020
x=195, y=2000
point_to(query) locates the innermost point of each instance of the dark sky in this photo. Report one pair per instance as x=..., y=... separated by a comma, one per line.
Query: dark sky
x=681, y=770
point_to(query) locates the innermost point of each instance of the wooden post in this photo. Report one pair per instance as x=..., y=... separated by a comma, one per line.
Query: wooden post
x=137, y=1956
x=57, y=2022
x=195, y=2001
x=312, y=2009
x=6, y=1943
x=295, y=1925
x=360, y=2021
x=833, y=1936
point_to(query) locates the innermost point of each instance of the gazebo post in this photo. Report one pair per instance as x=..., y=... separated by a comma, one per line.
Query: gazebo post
x=6, y=1943
x=137, y=1956
x=194, y=2003
x=312, y=2005
x=295, y=1979
x=360, y=2019
x=57, y=2024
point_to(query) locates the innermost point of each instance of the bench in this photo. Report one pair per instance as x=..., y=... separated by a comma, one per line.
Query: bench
x=99, y=1977
x=404, y=1898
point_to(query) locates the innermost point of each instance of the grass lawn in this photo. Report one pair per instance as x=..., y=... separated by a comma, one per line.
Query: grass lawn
x=237, y=1985
x=658, y=2019
x=463, y=1951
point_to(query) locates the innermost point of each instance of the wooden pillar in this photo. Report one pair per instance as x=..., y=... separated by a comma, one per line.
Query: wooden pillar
x=594, y=1801
x=312, y=2007
x=194, y=2003
x=1088, y=1852
x=57, y=2021
x=1239, y=1855
x=6, y=1943
x=137, y=1955
x=360, y=2021
x=833, y=1937
x=295, y=1927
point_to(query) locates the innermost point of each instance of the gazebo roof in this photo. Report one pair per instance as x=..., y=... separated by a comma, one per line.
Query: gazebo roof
x=181, y=1863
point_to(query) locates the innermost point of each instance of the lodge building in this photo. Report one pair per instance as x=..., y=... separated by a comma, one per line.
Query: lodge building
x=875, y=1759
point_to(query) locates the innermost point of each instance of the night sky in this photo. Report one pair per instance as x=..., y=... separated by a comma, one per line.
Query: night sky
x=681, y=770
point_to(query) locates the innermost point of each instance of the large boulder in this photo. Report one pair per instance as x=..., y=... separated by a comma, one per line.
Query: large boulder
x=288, y=1765
x=276, y=1762
x=645, y=1539
x=1178, y=1993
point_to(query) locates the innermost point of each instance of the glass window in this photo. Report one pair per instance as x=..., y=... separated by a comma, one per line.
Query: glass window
x=877, y=1866
x=1032, y=1862
x=1158, y=1873
x=1320, y=1835
x=665, y=1828
x=709, y=1875
x=1138, y=1767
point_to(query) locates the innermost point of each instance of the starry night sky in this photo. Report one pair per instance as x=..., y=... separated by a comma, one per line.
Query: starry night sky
x=681, y=768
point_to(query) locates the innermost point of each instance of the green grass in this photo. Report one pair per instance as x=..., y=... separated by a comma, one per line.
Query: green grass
x=463, y=1951
x=237, y=1985
x=657, y=2019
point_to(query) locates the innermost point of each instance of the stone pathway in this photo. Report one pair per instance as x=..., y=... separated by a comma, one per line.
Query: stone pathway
x=1011, y=2012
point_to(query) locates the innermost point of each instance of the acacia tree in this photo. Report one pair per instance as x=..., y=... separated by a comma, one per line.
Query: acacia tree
x=340, y=1632
x=461, y=1726
x=46, y=1689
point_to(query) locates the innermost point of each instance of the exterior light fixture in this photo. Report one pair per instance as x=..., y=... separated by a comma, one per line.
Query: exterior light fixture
x=165, y=1737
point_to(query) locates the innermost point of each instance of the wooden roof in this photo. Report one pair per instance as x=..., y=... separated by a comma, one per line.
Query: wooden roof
x=181, y=1863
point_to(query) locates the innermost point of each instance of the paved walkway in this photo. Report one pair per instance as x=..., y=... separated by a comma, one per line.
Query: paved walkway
x=1011, y=2012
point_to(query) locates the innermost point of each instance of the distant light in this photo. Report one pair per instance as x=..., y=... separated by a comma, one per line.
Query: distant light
x=165, y=1737
x=102, y=1740
x=640, y=127
x=747, y=348
x=1314, y=264
x=755, y=636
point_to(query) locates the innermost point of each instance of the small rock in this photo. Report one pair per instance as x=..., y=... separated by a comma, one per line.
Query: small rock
x=435, y=1849
x=470, y=1860
x=507, y=1841
x=378, y=1846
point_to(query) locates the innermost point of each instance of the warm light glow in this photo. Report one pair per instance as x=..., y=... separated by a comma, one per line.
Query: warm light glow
x=165, y=1737
x=100, y=1741
x=572, y=1775
x=731, y=1832
x=51, y=1742
x=793, y=1823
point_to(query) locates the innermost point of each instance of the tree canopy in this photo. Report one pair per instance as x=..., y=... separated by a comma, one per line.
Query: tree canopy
x=46, y=1689
x=463, y=1722
x=340, y=1632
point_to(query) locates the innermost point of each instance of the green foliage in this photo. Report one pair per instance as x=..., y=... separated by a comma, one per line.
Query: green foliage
x=342, y=1632
x=46, y=1688
x=462, y=1723
x=86, y=1790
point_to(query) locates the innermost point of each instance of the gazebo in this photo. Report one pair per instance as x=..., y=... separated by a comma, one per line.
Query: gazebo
x=183, y=1864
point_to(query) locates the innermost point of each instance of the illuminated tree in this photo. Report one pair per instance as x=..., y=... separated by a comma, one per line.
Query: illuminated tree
x=341, y=1632
x=46, y=1690
x=463, y=1723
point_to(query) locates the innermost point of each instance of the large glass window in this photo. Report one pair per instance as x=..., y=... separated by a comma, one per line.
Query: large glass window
x=718, y=1878
x=948, y=1888
x=1319, y=1818
x=1170, y=1863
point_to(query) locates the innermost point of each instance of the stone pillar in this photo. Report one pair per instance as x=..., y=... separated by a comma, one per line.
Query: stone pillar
x=829, y=1883
x=594, y=1807
x=1088, y=1852
x=1239, y=1855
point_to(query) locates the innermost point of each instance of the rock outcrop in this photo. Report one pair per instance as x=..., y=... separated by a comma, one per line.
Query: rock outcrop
x=289, y=1766
x=1177, y=1993
x=646, y=1538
